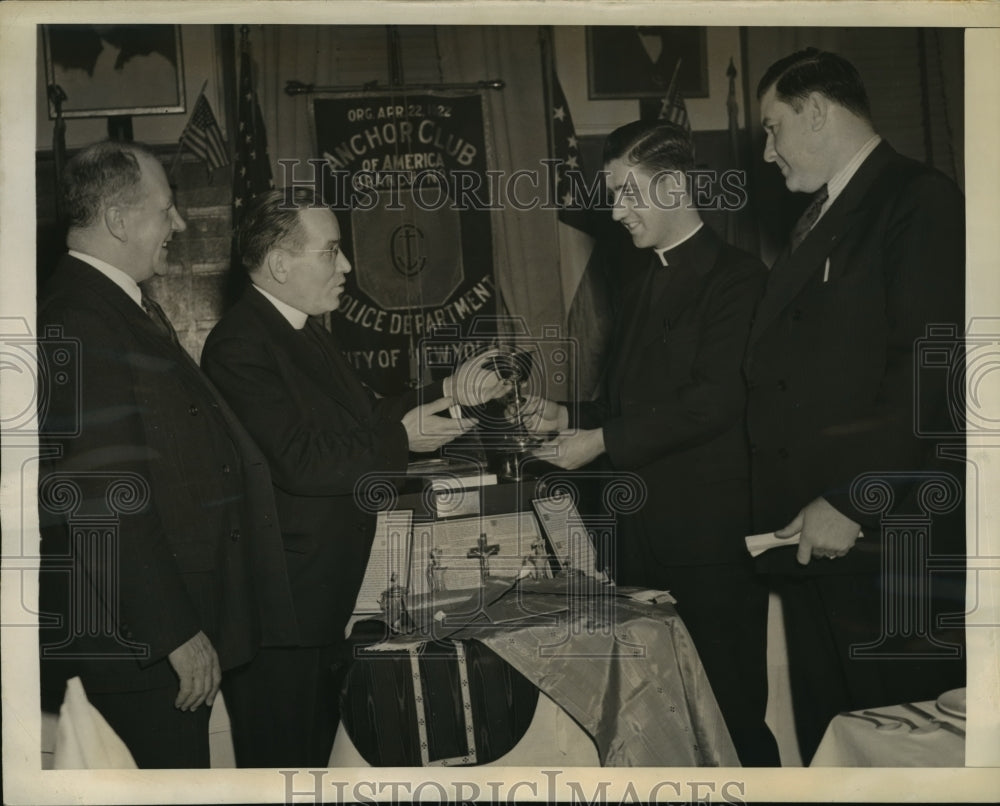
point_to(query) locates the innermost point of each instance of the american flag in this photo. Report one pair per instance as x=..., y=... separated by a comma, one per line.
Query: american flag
x=587, y=314
x=203, y=136
x=673, y=109
x=569, y=171
x=252, y=174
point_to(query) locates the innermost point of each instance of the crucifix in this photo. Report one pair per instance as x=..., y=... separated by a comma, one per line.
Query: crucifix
x=483, y=551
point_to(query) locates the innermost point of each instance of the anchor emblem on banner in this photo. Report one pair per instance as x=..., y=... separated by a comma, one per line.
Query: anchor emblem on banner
x=408, y=250
x=402, y=235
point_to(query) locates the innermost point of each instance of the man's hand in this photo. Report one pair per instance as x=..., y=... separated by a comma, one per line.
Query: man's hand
x=825, y=532
x=573, y=449
x=197, y=667
x=542, y=416
x=475, y=382
x=428, y=432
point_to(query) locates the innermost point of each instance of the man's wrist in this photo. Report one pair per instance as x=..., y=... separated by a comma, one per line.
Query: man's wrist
x=562, y=418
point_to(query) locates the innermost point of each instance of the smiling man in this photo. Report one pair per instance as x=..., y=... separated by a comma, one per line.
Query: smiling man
x=159, y=542
x=321, y=430
x=671, y=411
x=876, y=259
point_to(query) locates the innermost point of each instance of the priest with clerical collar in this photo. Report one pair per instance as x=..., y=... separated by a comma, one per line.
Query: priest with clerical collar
x=671, y=412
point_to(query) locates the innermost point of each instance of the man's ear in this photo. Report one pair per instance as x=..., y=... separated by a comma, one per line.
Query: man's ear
x=817, y=108
x=114, y=220
x=276, y=265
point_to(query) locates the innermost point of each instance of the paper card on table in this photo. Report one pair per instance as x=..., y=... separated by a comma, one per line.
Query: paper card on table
x=390, y=557
x=568, y=535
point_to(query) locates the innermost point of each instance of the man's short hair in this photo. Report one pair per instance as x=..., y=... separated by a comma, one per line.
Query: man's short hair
x=655, y=145
x=813, y=70
x=99, y=176
x=270, y=220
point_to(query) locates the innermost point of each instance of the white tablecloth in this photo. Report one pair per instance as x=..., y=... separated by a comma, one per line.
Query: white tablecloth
x=852, y=742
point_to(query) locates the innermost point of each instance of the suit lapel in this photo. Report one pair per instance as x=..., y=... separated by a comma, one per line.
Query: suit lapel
x=77, y=274
x=341, y=374
x=326, y=368
x=791, y=272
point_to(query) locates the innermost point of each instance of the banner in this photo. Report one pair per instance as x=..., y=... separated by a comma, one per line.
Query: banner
x=400, y=173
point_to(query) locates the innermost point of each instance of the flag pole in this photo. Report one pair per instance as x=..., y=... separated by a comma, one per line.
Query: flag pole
x=180, y=144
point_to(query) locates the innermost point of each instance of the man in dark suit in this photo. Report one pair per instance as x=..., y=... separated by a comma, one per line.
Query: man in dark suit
x=876, y=259
x=672, y=412
x=162, y=560
x=321, y=430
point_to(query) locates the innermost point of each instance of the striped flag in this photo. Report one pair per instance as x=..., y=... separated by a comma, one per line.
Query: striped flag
x=587, y=309
x=203, y=137
x=252, y=173
x=673, y=109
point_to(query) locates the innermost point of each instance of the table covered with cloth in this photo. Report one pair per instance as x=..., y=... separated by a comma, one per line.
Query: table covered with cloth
x=893, y=736
x=626, y=671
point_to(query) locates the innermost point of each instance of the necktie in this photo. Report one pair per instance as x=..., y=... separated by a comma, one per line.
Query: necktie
x=159, y=319
x=808, y=218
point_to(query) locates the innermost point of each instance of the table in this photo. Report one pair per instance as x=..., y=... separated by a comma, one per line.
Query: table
x=625, y=671
x=853, y=742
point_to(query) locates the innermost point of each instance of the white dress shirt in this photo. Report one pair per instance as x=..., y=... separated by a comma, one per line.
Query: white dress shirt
x=839, y=181
x=295, y=317
x=117, y=276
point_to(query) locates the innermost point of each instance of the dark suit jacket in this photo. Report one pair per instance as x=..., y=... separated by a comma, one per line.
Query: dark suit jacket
x=830, y=365
x=672, y=409
x=160, y=469
x=321, y=431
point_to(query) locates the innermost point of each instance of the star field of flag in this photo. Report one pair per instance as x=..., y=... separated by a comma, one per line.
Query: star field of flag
x=203, y=137
x=565, y=149
x=252, y=170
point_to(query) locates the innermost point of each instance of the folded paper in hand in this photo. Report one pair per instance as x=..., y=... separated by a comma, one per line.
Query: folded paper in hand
x=758, y=544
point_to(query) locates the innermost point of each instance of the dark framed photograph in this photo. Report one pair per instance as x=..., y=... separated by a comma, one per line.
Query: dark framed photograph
x=638, y=61
x=109, y=70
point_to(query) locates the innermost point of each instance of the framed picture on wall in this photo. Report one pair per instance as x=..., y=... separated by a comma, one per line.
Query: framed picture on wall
x=107, y=70
x=638, y=61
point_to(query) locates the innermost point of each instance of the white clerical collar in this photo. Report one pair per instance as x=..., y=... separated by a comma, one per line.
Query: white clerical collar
x=125, y=282
x=295, y=317
x=837, y=184
x=662, y=253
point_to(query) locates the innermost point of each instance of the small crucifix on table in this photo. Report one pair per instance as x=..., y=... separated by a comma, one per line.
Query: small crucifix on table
x=483, y=551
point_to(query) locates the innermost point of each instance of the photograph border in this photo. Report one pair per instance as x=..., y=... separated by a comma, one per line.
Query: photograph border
x=24, y=784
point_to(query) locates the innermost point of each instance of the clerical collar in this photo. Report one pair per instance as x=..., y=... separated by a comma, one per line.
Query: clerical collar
x=295, y=317
x=662, y=253
x=124, y=281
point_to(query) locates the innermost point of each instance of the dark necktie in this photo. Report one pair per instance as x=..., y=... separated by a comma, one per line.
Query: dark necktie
x=808, y=218
x=160, y=319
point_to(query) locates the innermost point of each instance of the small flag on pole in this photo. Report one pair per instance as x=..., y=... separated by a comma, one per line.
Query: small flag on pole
x=673, y=108
x=203, y=137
